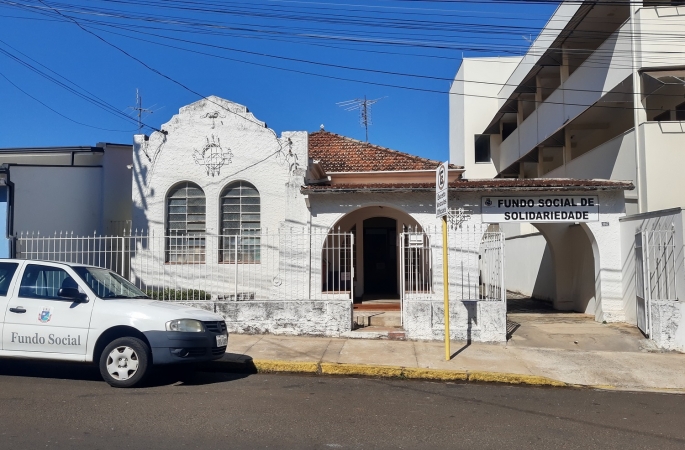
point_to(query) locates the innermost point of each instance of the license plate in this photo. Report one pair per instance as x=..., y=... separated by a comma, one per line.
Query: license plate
x=222, y=340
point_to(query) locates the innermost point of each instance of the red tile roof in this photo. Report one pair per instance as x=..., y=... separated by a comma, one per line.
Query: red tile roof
x=489, y=185
x=338, y=153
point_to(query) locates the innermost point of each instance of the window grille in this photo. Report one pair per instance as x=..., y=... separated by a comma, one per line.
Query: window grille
x=240, y=224
x=186, y=224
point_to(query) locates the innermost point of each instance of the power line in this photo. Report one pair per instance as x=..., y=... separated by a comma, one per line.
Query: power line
x=339, y=78
x=57, y=112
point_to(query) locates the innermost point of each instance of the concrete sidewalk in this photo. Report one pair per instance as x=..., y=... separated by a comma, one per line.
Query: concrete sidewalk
x=637, y=369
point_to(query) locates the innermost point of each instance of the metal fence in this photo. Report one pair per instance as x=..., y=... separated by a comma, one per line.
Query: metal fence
x=475, y=263
x=292, y=264
x=655, y=272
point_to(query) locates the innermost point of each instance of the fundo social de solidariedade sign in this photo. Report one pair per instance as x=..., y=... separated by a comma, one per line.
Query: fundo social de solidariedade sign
x=558, y=208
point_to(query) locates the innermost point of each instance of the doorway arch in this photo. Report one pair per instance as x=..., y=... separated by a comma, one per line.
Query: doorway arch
x=376, y=254
x=563, y=269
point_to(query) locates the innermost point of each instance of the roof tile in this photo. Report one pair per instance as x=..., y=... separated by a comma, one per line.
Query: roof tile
x=338, y=153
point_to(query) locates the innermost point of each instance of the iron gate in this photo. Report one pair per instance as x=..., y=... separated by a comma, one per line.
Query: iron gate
x=655, y=272
x=475, y=264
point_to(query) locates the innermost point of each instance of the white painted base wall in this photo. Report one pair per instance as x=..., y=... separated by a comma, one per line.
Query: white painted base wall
x=289, y=317
x=668, y=325
x=470, y=320
x=529, y=268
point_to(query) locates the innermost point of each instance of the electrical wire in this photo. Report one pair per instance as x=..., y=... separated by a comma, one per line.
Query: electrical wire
x=59, y=113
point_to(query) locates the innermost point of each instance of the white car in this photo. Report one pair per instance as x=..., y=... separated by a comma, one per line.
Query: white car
x=72, y=312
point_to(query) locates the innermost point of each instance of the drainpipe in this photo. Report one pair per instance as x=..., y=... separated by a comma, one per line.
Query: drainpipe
x=637, y=101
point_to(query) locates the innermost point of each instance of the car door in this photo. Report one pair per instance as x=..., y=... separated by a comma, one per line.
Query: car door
x=7, y=271
x=39, y=320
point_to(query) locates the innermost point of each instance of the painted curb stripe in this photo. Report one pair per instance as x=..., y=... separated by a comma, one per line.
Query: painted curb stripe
x=275, y=366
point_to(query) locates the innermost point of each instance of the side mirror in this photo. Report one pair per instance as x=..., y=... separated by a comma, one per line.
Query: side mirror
x=72, y=294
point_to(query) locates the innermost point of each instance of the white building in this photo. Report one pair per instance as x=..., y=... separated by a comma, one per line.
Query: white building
x=599, y=95
x=286, y=233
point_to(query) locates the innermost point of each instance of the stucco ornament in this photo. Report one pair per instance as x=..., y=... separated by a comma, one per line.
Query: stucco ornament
x=213, y=115
x=212, y=156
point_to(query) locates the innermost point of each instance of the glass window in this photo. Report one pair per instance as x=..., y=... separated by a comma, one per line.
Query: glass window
x=44, y=282
x=482, y=148
x=6, y=274
x=186, y=225
x=240, y=223
x=107, y=284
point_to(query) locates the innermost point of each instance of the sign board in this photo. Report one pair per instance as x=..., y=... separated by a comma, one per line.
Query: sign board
x=550, y=209
x=441, y=183
x=416, y=240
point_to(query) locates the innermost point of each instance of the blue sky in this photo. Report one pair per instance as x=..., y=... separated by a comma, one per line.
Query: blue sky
x=421, y=38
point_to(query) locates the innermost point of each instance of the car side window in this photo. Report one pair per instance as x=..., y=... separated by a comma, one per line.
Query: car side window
x=7, y=271
x=44, y=282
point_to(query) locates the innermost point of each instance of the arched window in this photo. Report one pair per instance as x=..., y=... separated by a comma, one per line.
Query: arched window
x=186, y=224
x=240, y=223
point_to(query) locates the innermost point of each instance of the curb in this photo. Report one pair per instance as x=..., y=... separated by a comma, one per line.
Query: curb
x=364, y=370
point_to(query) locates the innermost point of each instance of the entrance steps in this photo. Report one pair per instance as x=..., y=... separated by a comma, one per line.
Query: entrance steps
x=374, y=332
x=377, y=325
x=365, y=319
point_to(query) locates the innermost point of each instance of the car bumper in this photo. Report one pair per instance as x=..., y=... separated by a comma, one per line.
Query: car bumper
x=171, y=347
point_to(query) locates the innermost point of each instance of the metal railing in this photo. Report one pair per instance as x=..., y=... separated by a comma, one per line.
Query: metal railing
x=292, y=264
x=475, y=263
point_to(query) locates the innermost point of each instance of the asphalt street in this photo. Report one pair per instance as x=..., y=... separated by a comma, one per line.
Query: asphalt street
x=46, y=405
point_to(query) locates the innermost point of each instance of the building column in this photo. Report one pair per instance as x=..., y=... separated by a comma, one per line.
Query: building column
x=608, y=268
x=564, y=67
x=567, y=149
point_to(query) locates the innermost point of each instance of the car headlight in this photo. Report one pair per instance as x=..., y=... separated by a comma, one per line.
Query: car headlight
x=186, y=325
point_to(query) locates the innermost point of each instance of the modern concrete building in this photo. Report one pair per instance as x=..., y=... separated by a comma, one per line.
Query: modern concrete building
x=78, y=190
x=599, y=94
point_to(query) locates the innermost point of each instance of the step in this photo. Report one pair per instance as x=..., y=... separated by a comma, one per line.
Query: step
x=390, y=306
x=373, y=332
x=377, y=318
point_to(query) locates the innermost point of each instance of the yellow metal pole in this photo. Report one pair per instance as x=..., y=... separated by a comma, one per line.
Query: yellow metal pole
x=446, y=288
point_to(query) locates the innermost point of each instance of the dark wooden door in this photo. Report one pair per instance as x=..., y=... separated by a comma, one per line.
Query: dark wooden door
x=380, y=256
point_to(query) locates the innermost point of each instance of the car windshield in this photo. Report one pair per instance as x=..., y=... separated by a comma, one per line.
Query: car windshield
x=107, y=284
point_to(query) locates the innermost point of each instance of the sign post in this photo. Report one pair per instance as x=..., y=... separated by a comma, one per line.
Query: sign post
x=441, y=184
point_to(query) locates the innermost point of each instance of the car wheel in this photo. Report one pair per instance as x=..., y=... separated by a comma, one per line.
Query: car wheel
x=125, y=362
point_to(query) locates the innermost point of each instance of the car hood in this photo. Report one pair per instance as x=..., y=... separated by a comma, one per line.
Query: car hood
x=163, y=310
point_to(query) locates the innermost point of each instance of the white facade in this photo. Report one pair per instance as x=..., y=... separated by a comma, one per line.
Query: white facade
x=249, y=150
x=473, y=99
x=599, y=95
x=571, y=108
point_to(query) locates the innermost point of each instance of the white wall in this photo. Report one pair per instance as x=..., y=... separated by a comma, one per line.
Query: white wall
x=258, y=157
x=49, y=199
x=613, y=160
x=473, y=103
x=664, y=153
x=530, y=267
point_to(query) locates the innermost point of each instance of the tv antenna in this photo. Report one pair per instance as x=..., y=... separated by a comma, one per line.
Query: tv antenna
x=140, y=110
x=363, y=105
